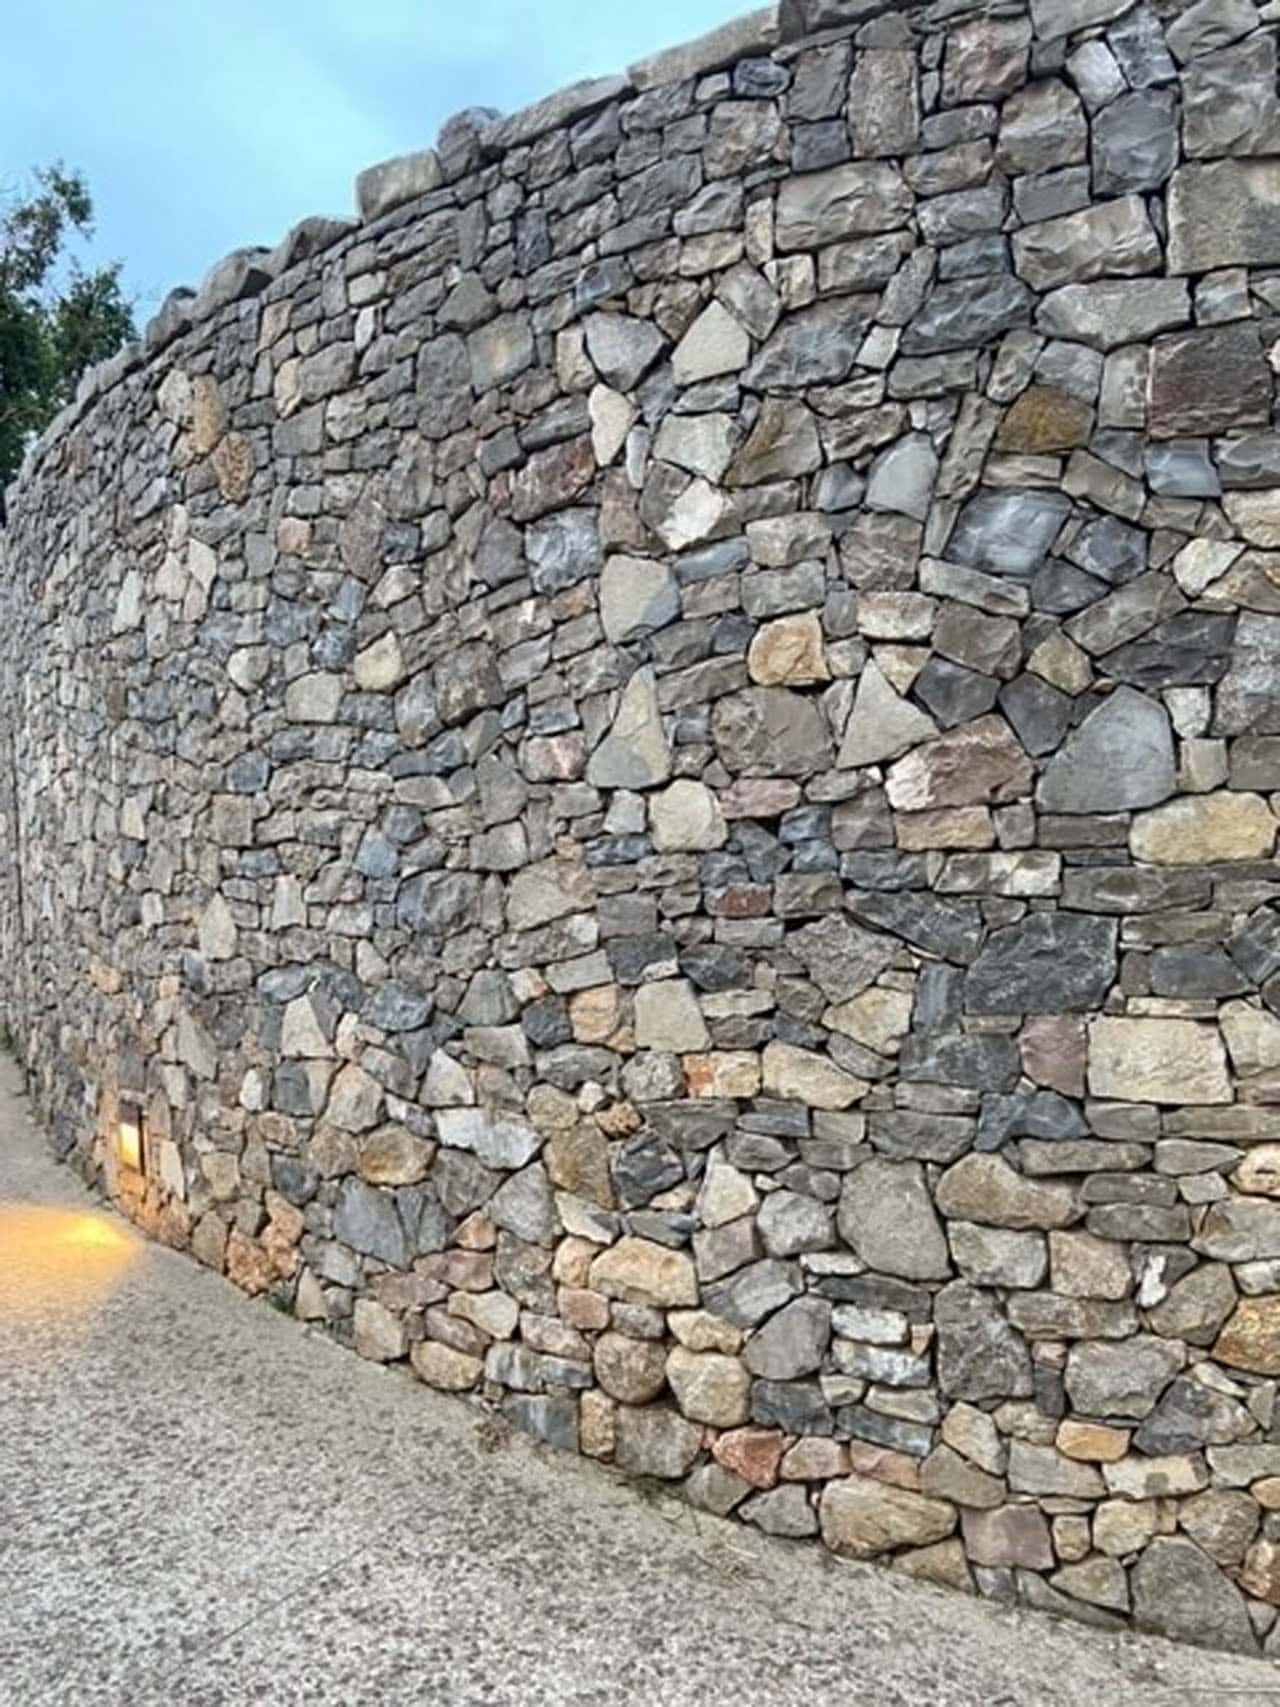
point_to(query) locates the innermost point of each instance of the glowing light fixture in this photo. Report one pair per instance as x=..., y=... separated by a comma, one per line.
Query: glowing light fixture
x=129, y=1142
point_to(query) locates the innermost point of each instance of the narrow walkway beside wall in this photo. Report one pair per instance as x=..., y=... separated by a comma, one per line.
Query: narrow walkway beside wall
x=202, y=1505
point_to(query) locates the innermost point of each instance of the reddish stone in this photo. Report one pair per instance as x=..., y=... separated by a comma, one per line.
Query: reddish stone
x=752, y=1453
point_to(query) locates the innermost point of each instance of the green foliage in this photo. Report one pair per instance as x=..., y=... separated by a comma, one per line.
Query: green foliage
x=55, y=317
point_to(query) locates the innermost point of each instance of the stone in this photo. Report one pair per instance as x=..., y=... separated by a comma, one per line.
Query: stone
x=716, y=343
x=629, y=1370
x=992, y=1256
x=497, y=1140
x=789, y=653
x=802, y=1075
x=840, y=957
x=442, y=1367
x=767, y=731
x=882, y=725
x=1114, y=313
x=791, y=1343
x=1204, y=830
x=814, y=346
x=636, y=596
x=861, y=1518
x=1010, y=1536
x=1120, y=1378
x=968, y=312
x=1179, y=1592
x=1208, y=382
x=1250, y=1340
x=977, y=764
x=639, y=1272
x=623, y=349
x=1048, y=963
x=1135, y=142
x=754, y=1454
x=1157, y=1060
x=1041, y=127
x=1115, y=237
x=886, y=1216
x=635, y=753
x=902, y=477
x=668, y=1018
x=1247, y=701
x=686, y=818
x=979, y=1357
x=1223, y=214
x=381, y=188
x=821, y=208
x=655, y=1441
x=986, y=1190
x=709, y=1387
x=1008, y=533
x=1119, y=758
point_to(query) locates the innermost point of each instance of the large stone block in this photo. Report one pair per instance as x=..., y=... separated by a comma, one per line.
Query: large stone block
x=1211, y=381
x=1173, y=1061
x=1226, y=214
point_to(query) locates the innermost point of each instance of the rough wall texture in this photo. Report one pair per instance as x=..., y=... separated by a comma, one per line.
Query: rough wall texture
x=659, y=766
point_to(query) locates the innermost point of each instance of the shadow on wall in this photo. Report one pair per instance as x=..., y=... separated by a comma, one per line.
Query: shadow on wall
x=658, y=765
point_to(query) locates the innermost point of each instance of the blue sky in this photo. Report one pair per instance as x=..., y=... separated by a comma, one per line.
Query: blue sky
x=204, y=125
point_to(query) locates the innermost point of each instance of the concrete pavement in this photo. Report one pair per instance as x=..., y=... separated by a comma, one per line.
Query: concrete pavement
x=203, y=1504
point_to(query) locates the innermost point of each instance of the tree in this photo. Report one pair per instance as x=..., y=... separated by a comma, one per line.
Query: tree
x=56, y=318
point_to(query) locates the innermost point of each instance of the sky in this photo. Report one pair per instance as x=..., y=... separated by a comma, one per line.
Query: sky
x=206, y=125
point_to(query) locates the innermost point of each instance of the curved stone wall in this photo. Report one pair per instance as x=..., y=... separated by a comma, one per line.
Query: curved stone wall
x=658, y=765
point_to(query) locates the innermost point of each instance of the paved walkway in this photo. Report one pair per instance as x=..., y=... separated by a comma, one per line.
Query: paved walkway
x=202, y=1504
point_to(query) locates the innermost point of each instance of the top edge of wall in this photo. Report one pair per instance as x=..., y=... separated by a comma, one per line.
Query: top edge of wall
x=478, y=136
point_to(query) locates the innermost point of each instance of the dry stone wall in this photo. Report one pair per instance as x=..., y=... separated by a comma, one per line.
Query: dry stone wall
x=659, y=763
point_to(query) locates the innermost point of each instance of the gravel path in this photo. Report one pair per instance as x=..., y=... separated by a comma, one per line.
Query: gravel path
x=202, y=1504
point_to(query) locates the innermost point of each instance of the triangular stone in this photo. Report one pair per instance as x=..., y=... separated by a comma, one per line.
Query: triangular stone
x=1119, y=758
x=882, y=725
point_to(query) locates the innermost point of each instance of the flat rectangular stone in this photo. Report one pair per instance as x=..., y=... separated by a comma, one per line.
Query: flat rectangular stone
x=1208, y=382
x=1054, y=18
x=757, y=33
x=1115, y=238
x=391, y=183
x=556, y=110
x=1226, y=214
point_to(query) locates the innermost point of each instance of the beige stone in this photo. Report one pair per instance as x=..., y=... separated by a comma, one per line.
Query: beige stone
x=730, y=1073
x=962, y=827
x=1259, y=1172
x=1092, y=1443
x=789, y=653
x=381, y=666
x=1251, y=1338
x=862, y=1518
x=709, y=1386
x=698, y=1331
x=978, y=764
x=668, y=1018
x=802, y=1075
x=1123, y=1526
x=1157, y=1060
x=640, y=1272
x=377, y=1334
x=1081, y=1266
x=1204, y=830
x=877, y=1018
x=443, y=1367
x=393, y=1156
x=633, y=1371
x=987, y=1190
x=686, y=818
x=1253, y=1038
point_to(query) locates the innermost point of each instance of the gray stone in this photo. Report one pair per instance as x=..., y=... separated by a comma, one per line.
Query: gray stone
x=816, y=346
x=1121, y=757
x=848, y=201
x=1008, y=533
x=1115, y=312
x=1178, y=1591
x=1224, y=214
x=968, y=312
x=635, y=753
x=1248, y=698
x=1048, y=963
x=769, y=732
x=1113, y=238
x=655, y=1441
x=791, y=1343
x=367, y=1220
x=1121, y=1378
x=1208, y=382
x=1135, y=142
x=980, y=1357
x=902, y=477
x=623, y=349
x=886, y=1216
x=1229, y=101
x=754, y=1292
x=1209, y=24
x=497, y=1140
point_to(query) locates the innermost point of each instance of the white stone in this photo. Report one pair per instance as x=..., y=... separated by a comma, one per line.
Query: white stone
x=715, y=344
x=612, y=418
x=686, y=818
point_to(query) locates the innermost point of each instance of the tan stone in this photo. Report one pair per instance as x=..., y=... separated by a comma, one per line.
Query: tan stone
x=381, y=666
x=1251, y=1338
x=668, y=1018
x=443, y=1367
x=1259, y=1173
x=596, y=1014
x=640, y=1272
x=944, y=1564
x=883, y=1464
x=1044, y=420
x=987, y=1190
x=377, y=1334
x=1092, y=1443
x=208, y=414
x=1253, y=1038
x=878, y=1019
x=686, y=818
x=597, y=1425
x=233, y=466
x=1205, y=829
x=577, y=1161
x=947, y=827
x=392, y=1156
x=802, y=1075
x=1081, y=1266
x=583, y=1309
x=789, y=653
x=698, y=1331
x=709, y=1387
x=861, y=1518
x=1157, y=1060
x=248, y=1266
x=814, y=1459
x=731, y=1073
x=633, y=1371
x=1261, y=1574
x=1123, y=1526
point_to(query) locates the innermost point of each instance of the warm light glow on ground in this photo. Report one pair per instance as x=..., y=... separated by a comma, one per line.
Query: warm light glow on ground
x=64, y=1257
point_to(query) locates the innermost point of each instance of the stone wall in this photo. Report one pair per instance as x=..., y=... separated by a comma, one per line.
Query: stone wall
x=659, y=765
